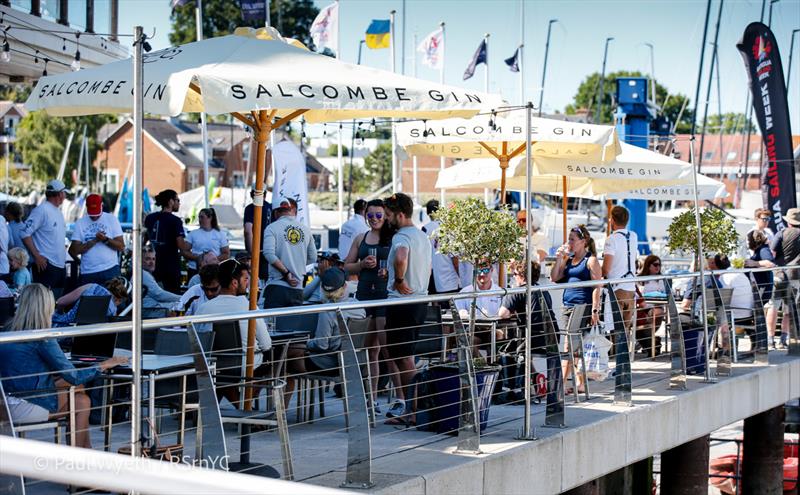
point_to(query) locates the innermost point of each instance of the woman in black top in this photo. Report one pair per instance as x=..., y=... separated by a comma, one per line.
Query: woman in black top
x=165, y=233
x=368, y=259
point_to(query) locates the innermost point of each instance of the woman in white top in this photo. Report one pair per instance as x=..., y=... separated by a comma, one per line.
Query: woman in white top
x=208, y=238
x=649, y=317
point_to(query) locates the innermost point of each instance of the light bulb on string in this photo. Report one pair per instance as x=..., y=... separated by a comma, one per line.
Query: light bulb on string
x=425, y=128
x=5, y=55
x=44, y=72
x=36, y=57
x=324, y=130
x=372, y=126
x=63, y=44
x=76, y=62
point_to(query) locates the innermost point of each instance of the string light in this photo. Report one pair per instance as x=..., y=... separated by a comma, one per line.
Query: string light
x=425, y=128
x=372, y=126
x=303, y=127
x=324, y=130
x=5, y=55
x=63, y=44
x=76, y=63
x=44, y=72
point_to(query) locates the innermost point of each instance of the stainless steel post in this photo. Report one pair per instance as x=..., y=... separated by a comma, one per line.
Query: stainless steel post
x=623, y=379
x=527, y=432
x=136, y=262
x=699, y=258
x=469, y=427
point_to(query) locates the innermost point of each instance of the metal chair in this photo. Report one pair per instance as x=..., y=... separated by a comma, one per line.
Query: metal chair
x=92, y=309
x=310, y=382
x=7, y=310
x=574, y=333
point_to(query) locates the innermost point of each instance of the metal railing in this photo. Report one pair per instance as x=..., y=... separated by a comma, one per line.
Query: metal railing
x=449, y=394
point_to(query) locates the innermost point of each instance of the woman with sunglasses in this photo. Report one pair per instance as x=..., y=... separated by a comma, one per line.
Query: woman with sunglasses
x=649, y=317
x=206, y=239
x=576, y=261
x=367, y=258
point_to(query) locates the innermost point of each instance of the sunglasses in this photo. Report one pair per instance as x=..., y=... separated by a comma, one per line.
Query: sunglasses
x=211, y=290
x=484, y=271
x=377, y=216
x=578, y=232
x=766, y=219
x=657, y=263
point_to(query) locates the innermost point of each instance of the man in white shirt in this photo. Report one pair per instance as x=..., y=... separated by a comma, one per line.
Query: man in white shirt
x=97, y=239
x=234, y=279
x=199, y=294
x=444, y=268
x=762, y=216
x=357, y=224
x=619, y=259
x=485, y=306
x=44, y=235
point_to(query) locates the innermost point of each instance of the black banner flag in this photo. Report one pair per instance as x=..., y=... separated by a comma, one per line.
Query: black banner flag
x=765, y=71
x=253, y=11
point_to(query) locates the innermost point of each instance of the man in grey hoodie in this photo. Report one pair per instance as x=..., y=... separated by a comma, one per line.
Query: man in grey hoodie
x=288, y=248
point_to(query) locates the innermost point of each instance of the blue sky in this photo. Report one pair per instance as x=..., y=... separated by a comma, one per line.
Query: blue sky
x=675, y=28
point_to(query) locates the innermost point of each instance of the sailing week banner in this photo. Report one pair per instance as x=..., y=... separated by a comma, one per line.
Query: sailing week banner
x=763, y=63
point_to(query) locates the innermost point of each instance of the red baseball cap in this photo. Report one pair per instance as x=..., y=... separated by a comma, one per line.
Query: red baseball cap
x=94, y=204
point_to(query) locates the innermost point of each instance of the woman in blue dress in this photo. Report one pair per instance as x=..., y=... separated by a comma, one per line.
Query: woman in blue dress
x=39, y=372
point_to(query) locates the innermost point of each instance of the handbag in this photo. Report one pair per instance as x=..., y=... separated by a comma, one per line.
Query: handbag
x=170, y=452
x=595, y=351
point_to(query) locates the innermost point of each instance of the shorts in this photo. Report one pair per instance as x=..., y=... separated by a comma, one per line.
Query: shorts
x=585, y=327
x=278, y=296
x=364, y=294
x=24, y=412
x=402, y=327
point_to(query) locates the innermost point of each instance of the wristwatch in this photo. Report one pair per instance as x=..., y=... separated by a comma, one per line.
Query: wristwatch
x=398, y=280
x=595, y=311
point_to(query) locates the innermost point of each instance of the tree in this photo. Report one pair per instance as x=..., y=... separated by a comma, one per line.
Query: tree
x=333, y=151
x=292, y=18
x=17, y=93
x=727, y=123
x=587, y=94
x=41, y=140
x=361, y=181
x=378, y=166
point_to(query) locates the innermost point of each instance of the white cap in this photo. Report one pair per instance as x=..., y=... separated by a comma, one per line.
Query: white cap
x=55, y=186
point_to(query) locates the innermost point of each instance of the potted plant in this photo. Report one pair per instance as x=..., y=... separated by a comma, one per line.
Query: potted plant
x=474, y=233
x=719, y=236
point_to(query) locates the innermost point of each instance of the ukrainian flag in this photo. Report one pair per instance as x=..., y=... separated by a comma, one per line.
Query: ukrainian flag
x=379, y=34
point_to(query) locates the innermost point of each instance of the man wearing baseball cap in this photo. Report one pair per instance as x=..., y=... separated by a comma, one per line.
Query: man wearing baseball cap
x=96, y=239
x=44, y=234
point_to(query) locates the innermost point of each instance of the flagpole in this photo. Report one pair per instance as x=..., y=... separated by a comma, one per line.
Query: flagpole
x=395, y=186
x=198, y=19
x=267, y=20
x=441, y=80
x=340, y=171
x=486, y=89
x=414, y=165
x=544, y=66
x=520, y=61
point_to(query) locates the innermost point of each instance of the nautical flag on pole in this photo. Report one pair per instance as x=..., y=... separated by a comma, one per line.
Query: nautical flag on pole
x=379, y=34
x=432, y=49
x=477, y=59
x=513, y=62
x=325, y=28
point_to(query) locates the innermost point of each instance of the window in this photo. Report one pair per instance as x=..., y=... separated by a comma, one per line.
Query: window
x=756, y=155
x=237, y=178
x=128, y=147
x=194, y=178
x=110, y=178
x=708, y=155
x=731, y=156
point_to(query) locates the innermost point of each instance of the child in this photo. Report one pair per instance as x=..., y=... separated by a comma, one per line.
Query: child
x=18, y=259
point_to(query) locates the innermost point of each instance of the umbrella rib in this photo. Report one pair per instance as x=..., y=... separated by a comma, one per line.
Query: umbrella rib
x=489, y=149
x=518, y=150
x=289, y=117
x=251, y=123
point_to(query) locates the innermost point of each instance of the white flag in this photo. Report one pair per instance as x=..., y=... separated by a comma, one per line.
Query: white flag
x=290, y=178
x=432, y=49
x=325, y=28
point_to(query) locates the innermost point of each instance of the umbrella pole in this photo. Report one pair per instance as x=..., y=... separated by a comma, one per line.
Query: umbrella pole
x=501, y=271
x=608, y=214
x=564, y=207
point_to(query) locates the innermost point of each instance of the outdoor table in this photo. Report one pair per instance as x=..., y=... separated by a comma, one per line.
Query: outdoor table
x=155, y=367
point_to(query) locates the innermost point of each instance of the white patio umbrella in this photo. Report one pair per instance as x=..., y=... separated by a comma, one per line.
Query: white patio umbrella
x=260, y=78
x=502, y=137
x=707, y=189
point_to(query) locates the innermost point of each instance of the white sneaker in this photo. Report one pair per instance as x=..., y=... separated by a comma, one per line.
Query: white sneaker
x=397, y=409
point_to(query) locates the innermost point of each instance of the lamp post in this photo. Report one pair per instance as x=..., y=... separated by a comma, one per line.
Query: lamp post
x=544, y=67
x=602, y=77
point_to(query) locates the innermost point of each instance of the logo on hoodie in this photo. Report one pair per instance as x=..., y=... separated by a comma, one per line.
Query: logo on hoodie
x=294, y=235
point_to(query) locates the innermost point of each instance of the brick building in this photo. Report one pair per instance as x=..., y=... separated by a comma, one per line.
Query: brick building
x=173, y=156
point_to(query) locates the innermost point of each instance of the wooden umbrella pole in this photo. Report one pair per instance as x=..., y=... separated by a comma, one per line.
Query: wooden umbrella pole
x=261, y=132
x=564, y=206
x=608, y=214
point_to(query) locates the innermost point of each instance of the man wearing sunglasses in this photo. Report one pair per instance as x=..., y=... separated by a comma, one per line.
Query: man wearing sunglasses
x=762, y=217
x=234, y=280
x=288, y=247
x=355, y=225
x=196, y=295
